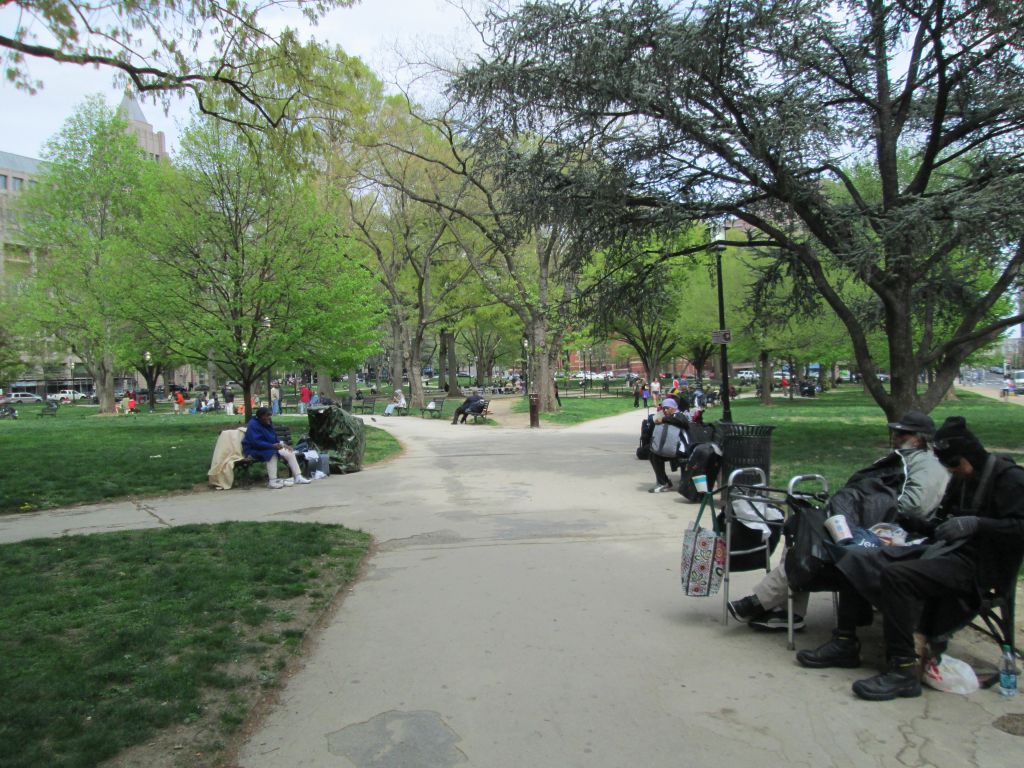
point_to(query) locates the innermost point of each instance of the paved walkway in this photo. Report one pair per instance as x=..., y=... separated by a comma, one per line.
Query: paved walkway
x=523, y=610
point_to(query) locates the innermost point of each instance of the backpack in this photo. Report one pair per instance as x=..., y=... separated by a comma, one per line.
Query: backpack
x=643, y=451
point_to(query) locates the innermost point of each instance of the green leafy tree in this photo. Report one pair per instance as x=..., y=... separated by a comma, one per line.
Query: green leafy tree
x=220, y=53
x=251, y=265
x=82, y=218
x=750, y=110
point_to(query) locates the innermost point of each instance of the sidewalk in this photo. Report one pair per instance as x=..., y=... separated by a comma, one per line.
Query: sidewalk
x=523, y=610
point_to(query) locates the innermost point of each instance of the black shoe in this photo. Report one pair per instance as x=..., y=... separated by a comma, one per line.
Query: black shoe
x=840, y=651
x=773, y=621
x=899, y=680
x=745, y=609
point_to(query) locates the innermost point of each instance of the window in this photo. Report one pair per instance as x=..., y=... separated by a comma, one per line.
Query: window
x=16, y=184
x=3, y=181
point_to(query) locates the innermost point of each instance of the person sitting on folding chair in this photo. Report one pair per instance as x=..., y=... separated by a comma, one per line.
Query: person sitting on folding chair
x=935, y=589
x=921, y=483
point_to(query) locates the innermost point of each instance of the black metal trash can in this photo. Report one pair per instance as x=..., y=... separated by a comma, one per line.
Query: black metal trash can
x=745, y=445
x=346, y=403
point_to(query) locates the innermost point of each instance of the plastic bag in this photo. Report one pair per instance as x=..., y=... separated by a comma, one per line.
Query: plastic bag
x=950, y=675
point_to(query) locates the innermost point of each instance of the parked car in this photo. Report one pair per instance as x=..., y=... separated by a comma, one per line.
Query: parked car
x=23, y=397
x=746, y=374
x=67, y=395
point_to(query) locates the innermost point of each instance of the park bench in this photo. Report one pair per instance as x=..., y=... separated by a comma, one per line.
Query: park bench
x=50, y=409
x=435, y=412
x=244, y=464
x=483, y=413
x=366, y=405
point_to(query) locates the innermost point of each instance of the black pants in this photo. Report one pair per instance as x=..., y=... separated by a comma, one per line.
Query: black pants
x=909, y=588
x=658, y=463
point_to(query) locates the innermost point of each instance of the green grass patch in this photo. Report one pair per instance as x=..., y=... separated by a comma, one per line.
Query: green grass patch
x=107, y=639
x=833, y=435
x=78, y=456
x=576, y=409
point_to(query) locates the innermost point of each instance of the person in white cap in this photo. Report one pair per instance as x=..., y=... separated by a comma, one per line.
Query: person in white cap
x=670, y=413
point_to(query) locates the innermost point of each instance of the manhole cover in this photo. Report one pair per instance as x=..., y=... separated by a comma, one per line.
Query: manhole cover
x=1011, y=724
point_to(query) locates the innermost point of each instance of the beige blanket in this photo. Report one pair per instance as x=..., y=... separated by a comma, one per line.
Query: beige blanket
x=226, y=452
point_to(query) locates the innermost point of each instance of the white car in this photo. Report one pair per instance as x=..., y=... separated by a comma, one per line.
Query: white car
x=23, y=397
x=66, y=395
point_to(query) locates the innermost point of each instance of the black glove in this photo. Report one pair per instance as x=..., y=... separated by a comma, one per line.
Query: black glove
x=957, y=528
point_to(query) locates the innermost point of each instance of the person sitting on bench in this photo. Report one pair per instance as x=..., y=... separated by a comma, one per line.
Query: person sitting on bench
x=920, y=484
x=936, y=589
x=397, y=401
x=261, y=442
x=472, y=404
x=676, y=412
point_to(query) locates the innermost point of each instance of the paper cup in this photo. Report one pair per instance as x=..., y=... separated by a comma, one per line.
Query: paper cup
x=701, y=483
x=839, y=529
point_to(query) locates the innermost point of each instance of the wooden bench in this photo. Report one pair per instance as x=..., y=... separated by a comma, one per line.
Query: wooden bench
x=483, y=413
x=366, y=405
x=50, y=408
x=435, y=412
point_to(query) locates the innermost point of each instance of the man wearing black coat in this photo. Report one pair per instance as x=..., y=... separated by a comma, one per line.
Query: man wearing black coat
x=937, y=589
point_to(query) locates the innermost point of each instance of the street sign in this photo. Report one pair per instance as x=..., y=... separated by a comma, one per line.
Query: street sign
x=721, y=337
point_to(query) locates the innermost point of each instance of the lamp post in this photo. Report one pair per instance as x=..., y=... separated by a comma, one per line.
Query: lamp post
x=150, y=381
x=526, y=366
x=718, y=246
x=265, y=324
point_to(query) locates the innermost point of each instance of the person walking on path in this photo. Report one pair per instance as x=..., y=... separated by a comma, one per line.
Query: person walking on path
x=305, y=396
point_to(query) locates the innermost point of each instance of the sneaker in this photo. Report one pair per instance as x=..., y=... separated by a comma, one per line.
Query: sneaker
x=900, y=679
x=288, y=483
x=661, y=488
x=840, y=651
x=274, y=484
x=301, y=480
x=746, y=609
x=773, y=621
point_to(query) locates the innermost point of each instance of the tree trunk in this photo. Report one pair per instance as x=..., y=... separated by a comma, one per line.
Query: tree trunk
x=453, y=363
x=765, y=366
x=324, y=383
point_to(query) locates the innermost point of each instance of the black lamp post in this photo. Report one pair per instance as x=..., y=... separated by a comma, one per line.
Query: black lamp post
x=265, y=324
x=150, y=381
x=718, y=246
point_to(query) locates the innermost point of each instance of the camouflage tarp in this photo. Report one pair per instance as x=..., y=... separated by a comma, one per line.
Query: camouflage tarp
x=339, y=433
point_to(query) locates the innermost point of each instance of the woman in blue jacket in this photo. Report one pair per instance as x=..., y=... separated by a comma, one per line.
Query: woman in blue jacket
x=261, y=442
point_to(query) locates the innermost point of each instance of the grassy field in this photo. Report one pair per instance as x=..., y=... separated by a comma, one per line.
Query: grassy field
x=78, y=456
x=832, y=435
x=112, y=640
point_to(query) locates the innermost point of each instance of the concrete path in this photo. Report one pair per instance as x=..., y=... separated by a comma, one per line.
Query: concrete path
x=523, y=610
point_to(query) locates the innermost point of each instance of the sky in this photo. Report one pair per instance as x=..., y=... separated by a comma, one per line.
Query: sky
x=372, y=30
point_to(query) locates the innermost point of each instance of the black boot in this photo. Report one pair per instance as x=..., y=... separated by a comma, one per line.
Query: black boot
x=843, y=650
x=899, y=680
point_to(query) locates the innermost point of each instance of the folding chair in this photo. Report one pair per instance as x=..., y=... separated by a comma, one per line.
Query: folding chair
x=796, y=493
x=751, y=504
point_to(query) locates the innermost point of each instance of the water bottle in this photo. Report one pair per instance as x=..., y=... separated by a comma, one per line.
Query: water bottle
x=1008, y=673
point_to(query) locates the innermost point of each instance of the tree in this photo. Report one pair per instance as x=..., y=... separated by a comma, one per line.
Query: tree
x=251, y=265
x=82, y=218
x=157, y=47
x=750, y=110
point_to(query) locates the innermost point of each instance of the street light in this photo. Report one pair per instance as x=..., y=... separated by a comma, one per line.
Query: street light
x=718, y=246
x=150, y=381
x=265, y=323
x=526, y=366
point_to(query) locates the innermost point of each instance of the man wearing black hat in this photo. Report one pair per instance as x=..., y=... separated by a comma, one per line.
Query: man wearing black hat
x=938, y=589
x=918, y=482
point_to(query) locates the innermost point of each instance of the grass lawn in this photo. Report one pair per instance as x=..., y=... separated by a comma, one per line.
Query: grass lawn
x=78, y=456
x=112, y=640
x=833, y=435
